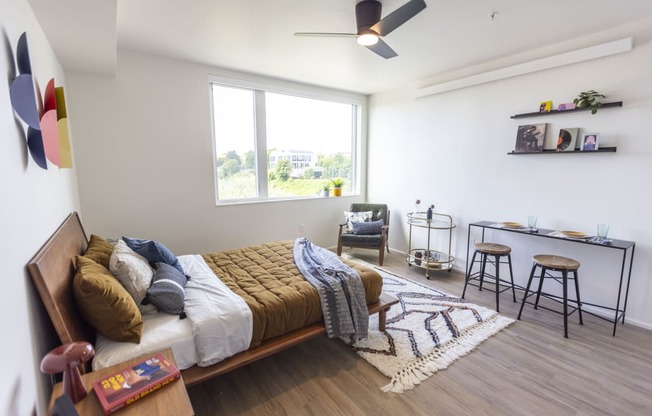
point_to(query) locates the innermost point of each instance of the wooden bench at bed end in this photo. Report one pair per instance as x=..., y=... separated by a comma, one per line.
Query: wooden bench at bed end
x=195, y=374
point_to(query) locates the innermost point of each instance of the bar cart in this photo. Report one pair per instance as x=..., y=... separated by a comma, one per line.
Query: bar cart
x=425, y=257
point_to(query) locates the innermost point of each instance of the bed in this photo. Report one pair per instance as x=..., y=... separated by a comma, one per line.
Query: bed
x=53, y=268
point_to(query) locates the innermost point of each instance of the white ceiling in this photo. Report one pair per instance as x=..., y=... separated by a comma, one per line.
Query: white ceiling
x=257, y=35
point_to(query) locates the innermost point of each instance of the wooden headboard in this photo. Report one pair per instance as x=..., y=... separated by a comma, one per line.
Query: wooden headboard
x=52, y=270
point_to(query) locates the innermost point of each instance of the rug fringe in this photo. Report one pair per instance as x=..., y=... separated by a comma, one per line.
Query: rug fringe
x=441, y=358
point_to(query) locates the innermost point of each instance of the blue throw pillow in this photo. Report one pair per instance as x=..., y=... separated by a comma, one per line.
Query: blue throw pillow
x=154, y=252
x=368, y=228
x=167, y=291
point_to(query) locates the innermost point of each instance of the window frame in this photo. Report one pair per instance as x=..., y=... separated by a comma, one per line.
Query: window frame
x=259, y=88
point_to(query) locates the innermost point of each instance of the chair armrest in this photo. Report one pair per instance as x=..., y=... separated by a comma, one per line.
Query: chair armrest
x=339, y=234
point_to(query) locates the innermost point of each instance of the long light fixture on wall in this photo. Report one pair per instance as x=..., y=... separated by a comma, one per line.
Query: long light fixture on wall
x=579, y=55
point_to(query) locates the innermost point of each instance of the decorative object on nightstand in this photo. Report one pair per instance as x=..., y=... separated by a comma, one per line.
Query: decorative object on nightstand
x=67, y=358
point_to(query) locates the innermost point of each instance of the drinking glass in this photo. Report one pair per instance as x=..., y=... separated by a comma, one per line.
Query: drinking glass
x=603, y=231
x=532, y=222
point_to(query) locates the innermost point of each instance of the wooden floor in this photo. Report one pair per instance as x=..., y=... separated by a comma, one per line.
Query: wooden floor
x=526, y=369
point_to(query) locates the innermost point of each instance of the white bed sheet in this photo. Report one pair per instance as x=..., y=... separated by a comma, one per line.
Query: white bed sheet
x=160, y=331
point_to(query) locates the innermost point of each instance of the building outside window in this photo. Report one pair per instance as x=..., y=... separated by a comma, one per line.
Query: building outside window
x=275, y=145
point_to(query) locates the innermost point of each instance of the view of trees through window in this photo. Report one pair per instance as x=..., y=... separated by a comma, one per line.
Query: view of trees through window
x=305, y=143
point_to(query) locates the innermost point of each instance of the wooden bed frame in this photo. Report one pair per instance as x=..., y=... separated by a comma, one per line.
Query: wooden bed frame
x=52, y=270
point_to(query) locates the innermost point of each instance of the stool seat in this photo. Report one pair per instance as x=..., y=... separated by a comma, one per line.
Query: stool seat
x=493, y=248
x=550, y=261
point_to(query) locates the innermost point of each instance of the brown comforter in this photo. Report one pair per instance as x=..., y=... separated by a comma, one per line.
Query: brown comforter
x=280, y=299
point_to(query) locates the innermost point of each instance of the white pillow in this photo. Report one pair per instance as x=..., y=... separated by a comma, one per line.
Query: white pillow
x=351, y=217
x=134, y=272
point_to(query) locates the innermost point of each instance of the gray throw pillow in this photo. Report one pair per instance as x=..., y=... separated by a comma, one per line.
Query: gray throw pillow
x=167, y=291
x=368, y=228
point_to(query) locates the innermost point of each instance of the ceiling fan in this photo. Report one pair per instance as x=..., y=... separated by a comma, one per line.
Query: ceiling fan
x=371, y=28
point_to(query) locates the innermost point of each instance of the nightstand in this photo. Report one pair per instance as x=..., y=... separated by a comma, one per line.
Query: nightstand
x=171, y=400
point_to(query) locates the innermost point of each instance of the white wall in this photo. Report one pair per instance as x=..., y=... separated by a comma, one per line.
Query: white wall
x=451, y=150
x=33, y=203
x=144, y=154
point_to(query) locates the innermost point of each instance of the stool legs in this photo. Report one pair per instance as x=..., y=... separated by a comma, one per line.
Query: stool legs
x=564, y=274
x=483, y=268
x=527, y=290
x=497, y=279
x=468, y=274
x=511, y=275
x=543, y=274
x=564, y=277
x=577, y=296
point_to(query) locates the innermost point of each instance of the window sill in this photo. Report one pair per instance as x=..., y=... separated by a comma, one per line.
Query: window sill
x=265, y=201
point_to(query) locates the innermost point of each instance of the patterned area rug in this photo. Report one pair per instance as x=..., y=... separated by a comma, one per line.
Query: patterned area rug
x=426, y=332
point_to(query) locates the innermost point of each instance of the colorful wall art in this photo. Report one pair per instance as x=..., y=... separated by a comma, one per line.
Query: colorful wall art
x=47, y=130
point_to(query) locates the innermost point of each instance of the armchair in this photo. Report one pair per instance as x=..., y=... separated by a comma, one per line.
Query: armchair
x=377, y=240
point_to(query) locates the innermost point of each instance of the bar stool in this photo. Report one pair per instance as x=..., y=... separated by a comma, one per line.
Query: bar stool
x=497, y=251
x=549, y=263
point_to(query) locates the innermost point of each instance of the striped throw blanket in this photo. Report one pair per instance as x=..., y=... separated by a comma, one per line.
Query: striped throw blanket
x=340, y=289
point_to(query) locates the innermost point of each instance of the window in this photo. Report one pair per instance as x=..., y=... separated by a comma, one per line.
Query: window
x=274, y=145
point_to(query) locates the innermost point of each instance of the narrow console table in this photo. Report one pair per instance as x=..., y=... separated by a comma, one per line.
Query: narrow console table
x=626, y=247
x=427, y=258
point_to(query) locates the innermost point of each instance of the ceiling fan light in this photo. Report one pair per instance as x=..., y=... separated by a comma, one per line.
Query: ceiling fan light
x=367, y=39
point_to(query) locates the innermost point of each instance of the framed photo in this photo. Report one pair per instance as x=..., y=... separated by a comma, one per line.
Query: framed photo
x=566, y=139
x=590, y=141
x=529, y=138
x=545, y=107
x=566, y=106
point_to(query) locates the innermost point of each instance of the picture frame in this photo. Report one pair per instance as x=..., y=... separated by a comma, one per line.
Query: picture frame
x=566, y=139
x=530, y=138
x=545, y=106
x=566, y=107
x=590, y=142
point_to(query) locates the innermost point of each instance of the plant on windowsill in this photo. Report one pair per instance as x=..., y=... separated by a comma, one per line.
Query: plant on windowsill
x=589, y=99
x=337, y=186
x=326, y=189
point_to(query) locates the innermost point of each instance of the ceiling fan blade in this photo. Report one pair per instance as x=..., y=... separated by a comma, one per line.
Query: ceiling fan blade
x=382, y=49
x=323, y=34
x=398, y=17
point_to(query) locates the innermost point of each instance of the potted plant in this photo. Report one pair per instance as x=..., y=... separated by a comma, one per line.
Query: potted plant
x=326, y=189
x=337, y=186
x=589, y=99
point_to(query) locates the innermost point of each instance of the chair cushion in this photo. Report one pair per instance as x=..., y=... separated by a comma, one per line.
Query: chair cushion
x=368, y=228
x=361, y=240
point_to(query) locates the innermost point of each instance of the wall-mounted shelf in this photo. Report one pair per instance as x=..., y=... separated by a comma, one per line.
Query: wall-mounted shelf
x=555, y=152
x=549, y=113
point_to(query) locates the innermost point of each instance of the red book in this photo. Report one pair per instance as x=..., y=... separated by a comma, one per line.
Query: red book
x=133, y=383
